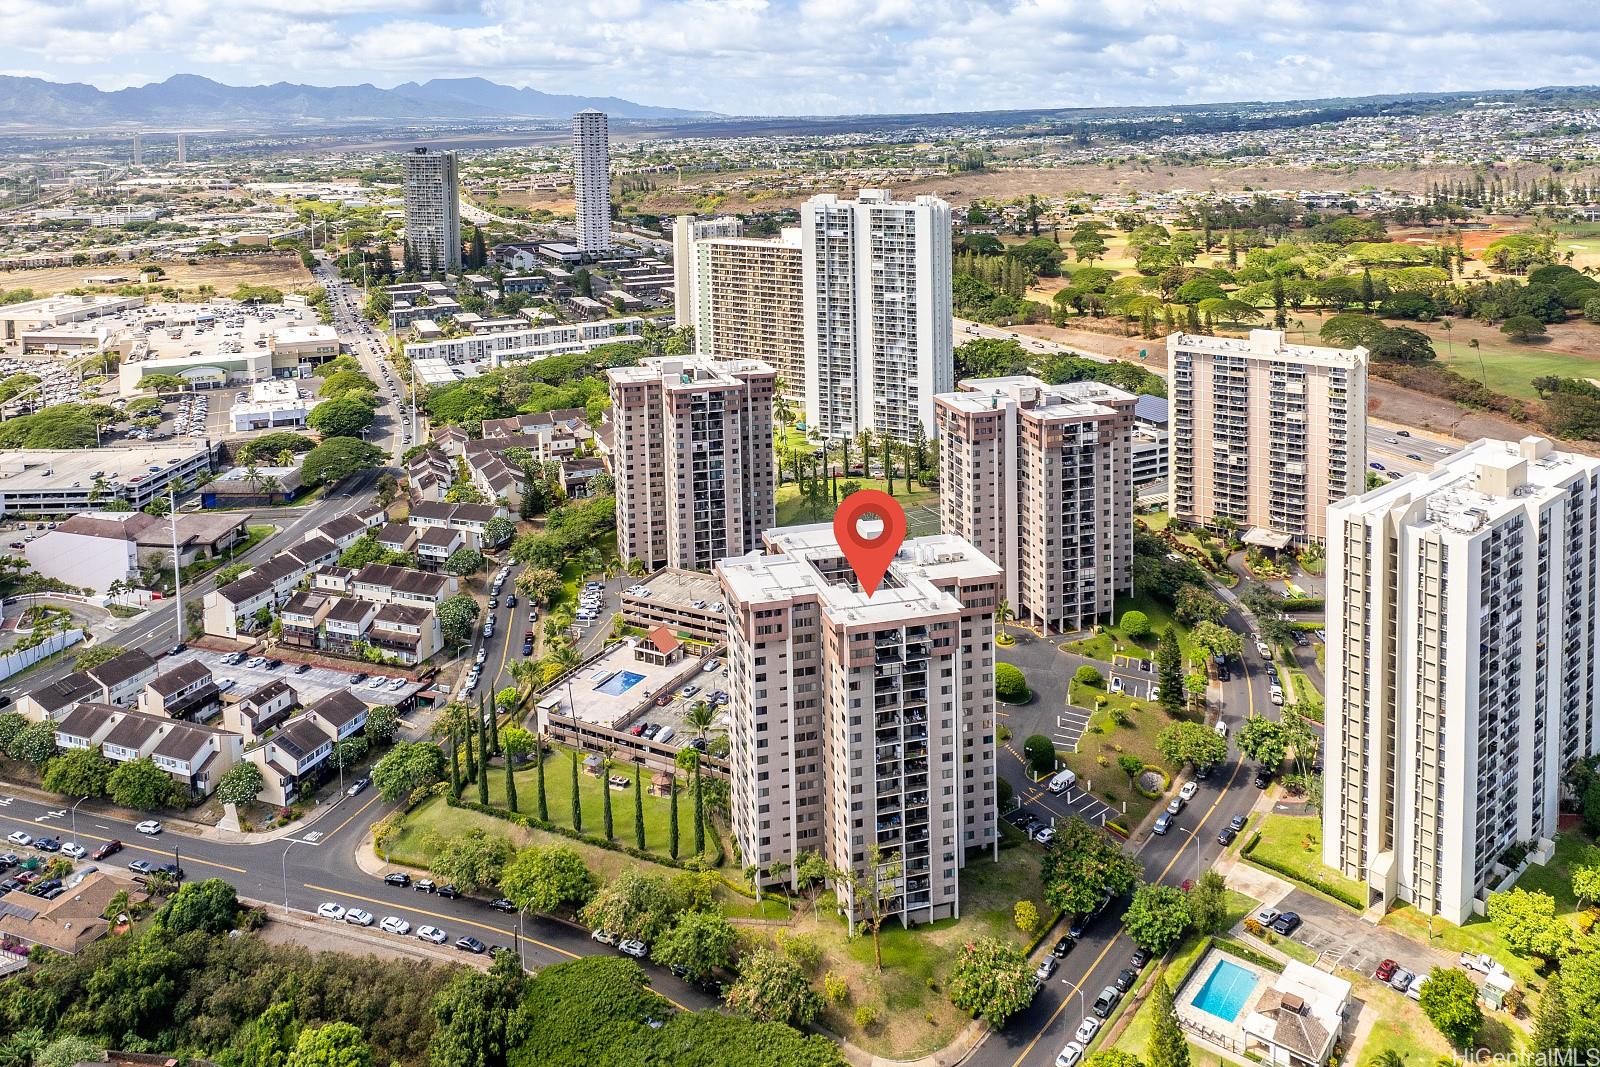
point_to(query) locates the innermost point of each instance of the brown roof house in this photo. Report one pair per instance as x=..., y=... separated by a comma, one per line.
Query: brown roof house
x=69, y=922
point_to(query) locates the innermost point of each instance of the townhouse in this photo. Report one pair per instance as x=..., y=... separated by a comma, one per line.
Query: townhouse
x=195, y=756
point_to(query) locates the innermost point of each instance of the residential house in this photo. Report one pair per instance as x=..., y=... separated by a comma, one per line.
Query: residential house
x=397, y=537
x=304, y=743
x=121, y=678
x=437, y=544
x=300, y=619
x=382, y=583
x=410, y=634
x=54, y=700
x=70, y=922
x=187, y=691
x=260, y=711
x=195, y=756
x=346, y=624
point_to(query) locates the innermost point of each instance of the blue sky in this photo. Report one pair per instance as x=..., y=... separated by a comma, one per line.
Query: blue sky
x=826, y=56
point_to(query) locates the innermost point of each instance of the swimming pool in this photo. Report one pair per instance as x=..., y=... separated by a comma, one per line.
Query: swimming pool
x=1226, y=989
x=619, y=683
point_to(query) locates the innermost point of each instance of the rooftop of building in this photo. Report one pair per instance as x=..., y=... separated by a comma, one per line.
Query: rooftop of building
x=1269, y=344
x=674, y=586
x=1480, y=484
x=1070, y=400
x=806, y=561
x=689, y=372
x=24, y=470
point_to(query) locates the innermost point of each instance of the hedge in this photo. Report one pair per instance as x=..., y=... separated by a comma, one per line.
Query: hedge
x=1296, y=876
x=1302, y=603
x=1010, y=686
x=1248, y=954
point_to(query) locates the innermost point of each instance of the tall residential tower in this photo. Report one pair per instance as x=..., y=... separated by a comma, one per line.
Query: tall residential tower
x=591, y=181
x=877, y=307
x=433, y=211
x=692, y=457
x=863, y=727
x=1265, y=434
x=1039, y=477
x=1464, y=662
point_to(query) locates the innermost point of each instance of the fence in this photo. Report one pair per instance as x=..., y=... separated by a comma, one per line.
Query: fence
x=13, y=662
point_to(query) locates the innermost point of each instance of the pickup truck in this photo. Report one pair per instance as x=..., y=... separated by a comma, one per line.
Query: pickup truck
x=1478, y=961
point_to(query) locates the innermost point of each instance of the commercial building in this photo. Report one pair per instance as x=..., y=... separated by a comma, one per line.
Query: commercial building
x=749, y=303
x=60, y=482
x=266, y=486
x=494, y=348
x=1038, y=477
x=1464, y=662
x=591, y=181
x=877, y=312
x=433, y=211
x=272, y=405
x=692, y=458
x=55, y=311
x=1265, y=434
x=862, y=726
x=97, y=549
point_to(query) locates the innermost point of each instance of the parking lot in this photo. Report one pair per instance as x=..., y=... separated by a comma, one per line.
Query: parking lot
x=314, y=684
x=57, y=384
x=1134, y=677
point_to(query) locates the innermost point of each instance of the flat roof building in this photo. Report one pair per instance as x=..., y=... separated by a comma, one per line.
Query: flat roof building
x=1038, y=477
x=591, y=181
x=433, y=211
x=692, y=457
x=57, y=482
x=1265, y=434
x=863, y=727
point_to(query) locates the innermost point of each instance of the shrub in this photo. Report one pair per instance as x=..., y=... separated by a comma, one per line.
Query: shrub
x=1136, y=625
x=1087, y=675
x=866, y=1015
x=1010, y=686
x=1041, y=753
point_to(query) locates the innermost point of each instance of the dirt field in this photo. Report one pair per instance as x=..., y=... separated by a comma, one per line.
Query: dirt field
x=282, y=271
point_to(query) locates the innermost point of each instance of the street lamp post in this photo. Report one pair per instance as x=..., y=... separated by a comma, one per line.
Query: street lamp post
x=75, y=817
x=293, y=841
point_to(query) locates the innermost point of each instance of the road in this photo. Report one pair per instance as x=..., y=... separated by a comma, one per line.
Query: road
x=1033, y=1038
x=394, y=426
x=315, y=866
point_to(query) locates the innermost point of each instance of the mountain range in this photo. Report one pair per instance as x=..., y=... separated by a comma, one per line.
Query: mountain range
x=190, y=100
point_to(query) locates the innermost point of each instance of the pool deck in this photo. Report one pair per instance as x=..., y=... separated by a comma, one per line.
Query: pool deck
x=1229, y=1033
x=615, y=710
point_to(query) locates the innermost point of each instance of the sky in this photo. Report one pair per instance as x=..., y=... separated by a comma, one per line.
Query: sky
x=815, y=57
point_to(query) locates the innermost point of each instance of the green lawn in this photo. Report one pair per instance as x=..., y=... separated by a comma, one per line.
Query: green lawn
x=1104, y=741
x=1294, y=842
x=1510, y=368
x=1400, y=1027
x=793, y=510
x=1111, y=640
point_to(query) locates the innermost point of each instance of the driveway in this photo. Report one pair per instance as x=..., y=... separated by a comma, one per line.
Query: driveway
x=1348, y=940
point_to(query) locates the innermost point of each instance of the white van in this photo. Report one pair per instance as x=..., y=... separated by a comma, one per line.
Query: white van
x=665, y=735
x=1275, y=695
x=1221, y=729
x=1063, y=781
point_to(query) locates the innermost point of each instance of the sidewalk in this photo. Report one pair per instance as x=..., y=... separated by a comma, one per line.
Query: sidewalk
x=325, y=935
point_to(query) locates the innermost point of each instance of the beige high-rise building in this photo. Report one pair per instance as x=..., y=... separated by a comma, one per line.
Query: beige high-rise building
x=686, y=231
x=1265, y=433
x=692, y=458
x=861, y=726
x=1039, y=478
x=433, y=211
x=591, y=181
x=1464, y=668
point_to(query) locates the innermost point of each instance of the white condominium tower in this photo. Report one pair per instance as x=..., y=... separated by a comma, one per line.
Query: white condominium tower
x=1265, y=434
x=433, y=211
x=877, y=312
x=1464, y=657
x=1039, y=477
x=692, y=458
x=591, y=180
x=861, y=726
x=686, y=232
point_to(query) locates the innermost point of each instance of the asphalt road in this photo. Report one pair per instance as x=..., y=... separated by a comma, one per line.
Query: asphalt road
x=315, y=866
x=1034, y=1037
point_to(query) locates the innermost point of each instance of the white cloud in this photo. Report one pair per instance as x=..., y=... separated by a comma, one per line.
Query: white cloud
x=828, y=56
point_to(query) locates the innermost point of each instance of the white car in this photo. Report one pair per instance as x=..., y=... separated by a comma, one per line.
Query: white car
x=393, y=924
x=1070, y=1054
x=1086, y=1030
x=256, y=662
x=357, y=917
x=1189, y=790
x=329, y=910
x=74, y=850
x=378, y=681
x=711, y=665
x=431, y=934
x=149, y=828
x=633, y=947
x=604, y=936
x=1045, y=834
x=397, y=684
x=20, y=839
x=1116, y=684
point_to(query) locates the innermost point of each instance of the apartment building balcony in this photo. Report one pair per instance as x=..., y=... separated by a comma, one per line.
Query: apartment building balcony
x=886, y=769
x=917, y=799
x=913, y=717
x=889, y=822
x=886, y=654
x=886, y=719
x=917, y=650
x=916, y=734
x=916, y=766
x=887, y=670
x=888, y=781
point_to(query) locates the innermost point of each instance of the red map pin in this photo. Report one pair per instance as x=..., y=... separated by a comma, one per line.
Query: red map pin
x=869, y=557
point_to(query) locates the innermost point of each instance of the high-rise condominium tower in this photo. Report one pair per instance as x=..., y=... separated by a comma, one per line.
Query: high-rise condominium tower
x=591, y=180
x=433, y=211
x=1464, y=662
x=692, y=459
x=1265, y=434
x=876, y=275
x=863, y=727
x=687, y=231
x=183, y=148
x=1039, y=477
x=138, y=149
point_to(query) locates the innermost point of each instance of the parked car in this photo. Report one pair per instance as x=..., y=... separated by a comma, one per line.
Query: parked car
x=1189, y=790
x=357, y=786
x=1402, y=980
x=1107, y=1001
x=357, y=917
x=431, y=934
x=1175, y=805
x=1086, y=1030
x=1237, y=822
x=150, y=828
x=449, y=892
x=1386, y=970
x=1139, y=958
x=424, y=885
x=74, y=850
x=47, y=844
x=1286, y=924
x=140, y=867
x=393, y=924
x=330, y=910
x=604, y=936
x=1046, y=968
x=1226, y=836
x=400, y=878
x=1063, y=946
x=1163, y=824
x=20, y=839
x=1069, y=1055
x=471, y=944
x=633, y=947
x=1125, y=979
x=507, y=906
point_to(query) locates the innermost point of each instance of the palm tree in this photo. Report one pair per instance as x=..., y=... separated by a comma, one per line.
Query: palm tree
x=525, y=673
x=700, y=717
x=567, y=655
x=269, y=484
x=636, y=568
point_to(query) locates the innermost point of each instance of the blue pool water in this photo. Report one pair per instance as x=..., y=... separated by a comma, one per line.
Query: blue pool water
x=619, y=683
x=1226, y=989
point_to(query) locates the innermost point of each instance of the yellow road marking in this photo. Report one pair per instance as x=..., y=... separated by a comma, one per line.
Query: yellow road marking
x=370, y=801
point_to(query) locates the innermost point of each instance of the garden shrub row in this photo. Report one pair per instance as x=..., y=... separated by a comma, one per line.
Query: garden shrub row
x=1296, y=876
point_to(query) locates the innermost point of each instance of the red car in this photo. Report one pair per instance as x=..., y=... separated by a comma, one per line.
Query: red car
x=1386, y=970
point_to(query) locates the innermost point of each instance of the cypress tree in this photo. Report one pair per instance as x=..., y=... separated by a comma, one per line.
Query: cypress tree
x=577, y=809
x=638, y=810
x=511, y=787
x=455, y=762
x=1166, y=1047
x=483, y=767
x=672, y=822
x=605, y=794
x=699, y=812
x=472, y=763
x=544, y=807
x=494, y=728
